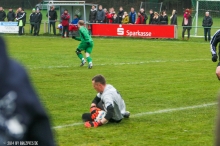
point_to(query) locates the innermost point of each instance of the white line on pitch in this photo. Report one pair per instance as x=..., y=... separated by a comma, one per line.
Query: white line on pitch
x=70, y=125
x=109, y=38
x=122, y=63
x=174, y=109
x=150, y=113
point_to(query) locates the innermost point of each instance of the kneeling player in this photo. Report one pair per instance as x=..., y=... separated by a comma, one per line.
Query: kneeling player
x=112, y=102
x=214, y=42
x=85, y=45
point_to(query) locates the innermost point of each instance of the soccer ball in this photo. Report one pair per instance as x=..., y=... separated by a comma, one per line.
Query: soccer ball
x=100, y=115
x=59, y=26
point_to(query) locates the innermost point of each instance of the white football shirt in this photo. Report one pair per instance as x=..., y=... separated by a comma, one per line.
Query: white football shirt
x=110, y=96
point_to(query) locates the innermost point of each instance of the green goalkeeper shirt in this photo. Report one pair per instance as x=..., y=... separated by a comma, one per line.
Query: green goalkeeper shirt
x=84, y=35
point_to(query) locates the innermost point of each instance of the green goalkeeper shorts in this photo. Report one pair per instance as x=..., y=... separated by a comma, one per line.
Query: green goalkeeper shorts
x=86, y=46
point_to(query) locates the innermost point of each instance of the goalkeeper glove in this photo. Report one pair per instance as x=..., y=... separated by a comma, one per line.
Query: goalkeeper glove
x=94, y=112
x=94, y=124
x=214, y=57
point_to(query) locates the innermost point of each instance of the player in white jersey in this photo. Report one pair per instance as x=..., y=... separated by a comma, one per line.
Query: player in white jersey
x=213, y=43
x=107, y=99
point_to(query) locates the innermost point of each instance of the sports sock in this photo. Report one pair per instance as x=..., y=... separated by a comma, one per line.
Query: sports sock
x=89, y=59
x=80, y=56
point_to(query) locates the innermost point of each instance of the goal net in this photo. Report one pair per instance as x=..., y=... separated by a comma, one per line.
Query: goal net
x=199, y=9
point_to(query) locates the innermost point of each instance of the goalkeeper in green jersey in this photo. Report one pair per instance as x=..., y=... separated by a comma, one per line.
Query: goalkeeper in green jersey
x=85, y=45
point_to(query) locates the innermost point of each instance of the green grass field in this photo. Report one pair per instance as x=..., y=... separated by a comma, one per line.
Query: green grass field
x=169, y=87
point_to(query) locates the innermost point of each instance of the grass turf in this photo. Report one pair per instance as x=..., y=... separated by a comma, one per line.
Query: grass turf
x=151, y=75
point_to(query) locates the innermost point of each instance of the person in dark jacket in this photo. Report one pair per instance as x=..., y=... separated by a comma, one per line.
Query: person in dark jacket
x=115, y=18
x=151, y=16
x=11, y=15
x=106, y=14
x=120, y=14
x=22, y=116
x=163, y=18
x=65, y=23
x=25, y=17
x=21, y=18
x=132, y=16
x=207, y=23
x=2, y=14
x=100, y=17
x=32, y=21
x=144, y=15
x=215, y=51
x=37, y=20
x=52, y=18
x=92, y=15
x=173, y=18
x=155, y=19
x=187, y=23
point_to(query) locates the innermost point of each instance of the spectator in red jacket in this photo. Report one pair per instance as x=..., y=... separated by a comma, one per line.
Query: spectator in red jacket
x=110, y=15
x=65, y=23
x=140, y=19
x=163, y=18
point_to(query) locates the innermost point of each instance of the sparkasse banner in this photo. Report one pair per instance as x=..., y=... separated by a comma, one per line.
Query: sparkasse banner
x=134, y=30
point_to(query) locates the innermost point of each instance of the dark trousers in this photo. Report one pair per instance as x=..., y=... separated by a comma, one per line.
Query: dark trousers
x=65, y=29
x=207, y=31
x=20, y=30
x=184, y=30
x=53, y=25
x=36, y=28
x=99, y=21
x=32, y=28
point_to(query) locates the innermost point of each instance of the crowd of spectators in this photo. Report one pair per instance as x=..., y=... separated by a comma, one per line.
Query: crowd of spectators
x=20, y=16
x=142, y=17
x=102, y=15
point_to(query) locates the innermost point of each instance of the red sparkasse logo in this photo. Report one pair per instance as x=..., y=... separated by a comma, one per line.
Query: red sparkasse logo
x=121, y=32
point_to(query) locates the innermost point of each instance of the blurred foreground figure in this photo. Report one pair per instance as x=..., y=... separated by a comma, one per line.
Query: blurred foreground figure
x=22, y=118
x=213, y=44
x=217, y=141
